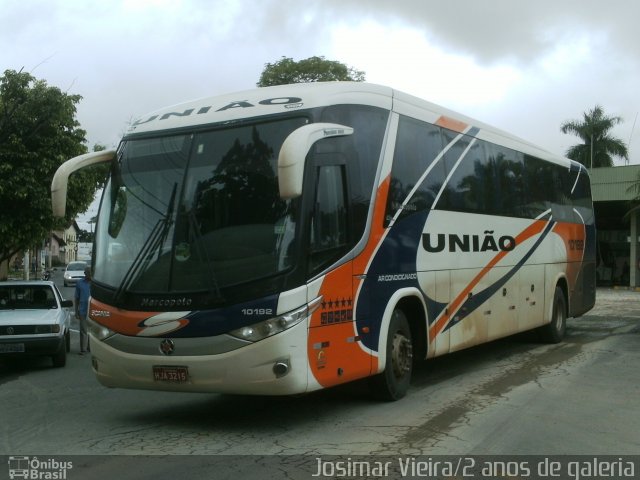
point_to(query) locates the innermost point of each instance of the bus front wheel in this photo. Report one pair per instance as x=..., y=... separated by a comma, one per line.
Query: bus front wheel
x=393, y=383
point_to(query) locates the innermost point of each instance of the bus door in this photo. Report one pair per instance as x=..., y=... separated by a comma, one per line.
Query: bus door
x=336, y=352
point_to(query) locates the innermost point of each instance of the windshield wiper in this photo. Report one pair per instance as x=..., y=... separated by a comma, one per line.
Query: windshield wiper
x=212, y=282
x=154, y=242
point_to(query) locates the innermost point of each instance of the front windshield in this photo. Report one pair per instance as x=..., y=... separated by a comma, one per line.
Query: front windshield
x=196, y=212
x=31, y=297
x=76, y=266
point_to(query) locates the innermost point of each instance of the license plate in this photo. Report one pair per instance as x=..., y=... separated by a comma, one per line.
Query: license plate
x=171, y=374
x=11, y=347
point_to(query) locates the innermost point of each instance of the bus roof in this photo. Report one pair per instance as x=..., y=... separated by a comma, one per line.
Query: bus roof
x=261, y=102
x=267, y=101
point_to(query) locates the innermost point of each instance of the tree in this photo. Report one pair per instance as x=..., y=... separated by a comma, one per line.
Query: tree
x=313, y=69
x=84, y=236
x=599, y=145
x=38, y=132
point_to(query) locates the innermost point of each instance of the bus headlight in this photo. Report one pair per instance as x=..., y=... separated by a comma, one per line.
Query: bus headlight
x=99, y=331
x=261, y=330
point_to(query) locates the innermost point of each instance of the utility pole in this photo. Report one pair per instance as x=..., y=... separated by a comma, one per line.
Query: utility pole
x=26, y=264
x=631, y=136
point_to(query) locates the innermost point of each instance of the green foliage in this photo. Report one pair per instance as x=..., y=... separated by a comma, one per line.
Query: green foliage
x=599, y=145
x=313, y=69
x=85, y=236
x=38, y=132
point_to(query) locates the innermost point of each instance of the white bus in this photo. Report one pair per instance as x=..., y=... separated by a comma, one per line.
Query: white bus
x=286, y=239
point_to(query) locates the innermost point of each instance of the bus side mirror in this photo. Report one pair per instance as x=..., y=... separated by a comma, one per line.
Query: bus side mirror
x=294, y=151
x=61, y=178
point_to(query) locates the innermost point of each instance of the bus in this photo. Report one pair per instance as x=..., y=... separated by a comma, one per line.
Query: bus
x=286, y=239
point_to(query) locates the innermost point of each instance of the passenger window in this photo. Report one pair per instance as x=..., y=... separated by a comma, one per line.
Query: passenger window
x=418, y=145
x=486, y=179
x=465, y=161
x=504, y=194
x=329, y=221
x=581, y=198
x=539, y=193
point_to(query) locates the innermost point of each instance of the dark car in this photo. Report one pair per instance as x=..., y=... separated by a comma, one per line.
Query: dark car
x=34, y=321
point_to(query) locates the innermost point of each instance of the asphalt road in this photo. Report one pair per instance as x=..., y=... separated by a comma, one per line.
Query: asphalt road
x=511, y=397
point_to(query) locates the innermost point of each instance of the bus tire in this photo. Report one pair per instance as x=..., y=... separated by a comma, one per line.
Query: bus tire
x=554, y=331
x=392, y=384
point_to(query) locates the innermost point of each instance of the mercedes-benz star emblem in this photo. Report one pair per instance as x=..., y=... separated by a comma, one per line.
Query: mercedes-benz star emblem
x=167, y=346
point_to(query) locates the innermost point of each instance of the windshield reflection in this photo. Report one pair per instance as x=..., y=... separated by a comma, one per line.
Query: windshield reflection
x=196, y=212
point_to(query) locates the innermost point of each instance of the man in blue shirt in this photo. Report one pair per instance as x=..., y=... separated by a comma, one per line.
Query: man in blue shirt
x=83, y=291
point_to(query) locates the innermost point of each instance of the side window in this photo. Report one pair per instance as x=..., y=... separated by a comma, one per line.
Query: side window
x=581, y=197
x=329, y=222
x=561, y=208
x=550, y=186
x=486, y=178
x=418, y=145
x=505, y=191
x=467, y=164
x=539, y=194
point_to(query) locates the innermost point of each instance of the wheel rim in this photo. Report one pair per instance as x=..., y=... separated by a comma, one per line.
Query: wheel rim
x=401, y=354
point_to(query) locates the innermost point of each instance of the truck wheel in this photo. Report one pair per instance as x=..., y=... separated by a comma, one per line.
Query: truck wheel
x=554, y=331
x=393, y=383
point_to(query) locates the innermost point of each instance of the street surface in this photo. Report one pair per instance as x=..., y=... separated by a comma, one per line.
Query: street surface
x=513, y=396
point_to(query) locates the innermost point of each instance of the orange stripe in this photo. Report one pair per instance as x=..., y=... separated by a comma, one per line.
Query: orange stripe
x=377, y=228
x=451, y=124
x=122, y=321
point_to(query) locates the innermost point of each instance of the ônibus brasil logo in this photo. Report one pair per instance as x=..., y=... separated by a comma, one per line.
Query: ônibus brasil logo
x=38, y=469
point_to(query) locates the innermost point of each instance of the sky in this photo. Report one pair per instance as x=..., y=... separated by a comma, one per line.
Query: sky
x=524, y=67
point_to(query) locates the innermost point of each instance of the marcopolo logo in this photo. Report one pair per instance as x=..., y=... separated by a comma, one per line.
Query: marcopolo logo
x=166, y=302
x=467, y=243
x=38, y=469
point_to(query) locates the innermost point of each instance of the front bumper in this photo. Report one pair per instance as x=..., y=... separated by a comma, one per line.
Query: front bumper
x=247, y=370
x=30, y=346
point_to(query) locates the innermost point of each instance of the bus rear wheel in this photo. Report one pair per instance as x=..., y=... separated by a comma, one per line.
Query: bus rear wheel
x=393, y=383
x=554, y=331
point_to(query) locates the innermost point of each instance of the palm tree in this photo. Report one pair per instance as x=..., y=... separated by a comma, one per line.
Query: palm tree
x=599, y=146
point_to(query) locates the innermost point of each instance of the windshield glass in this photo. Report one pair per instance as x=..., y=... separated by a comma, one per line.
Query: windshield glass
x=21, y=297
x=76, y=267
x=196, y=212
